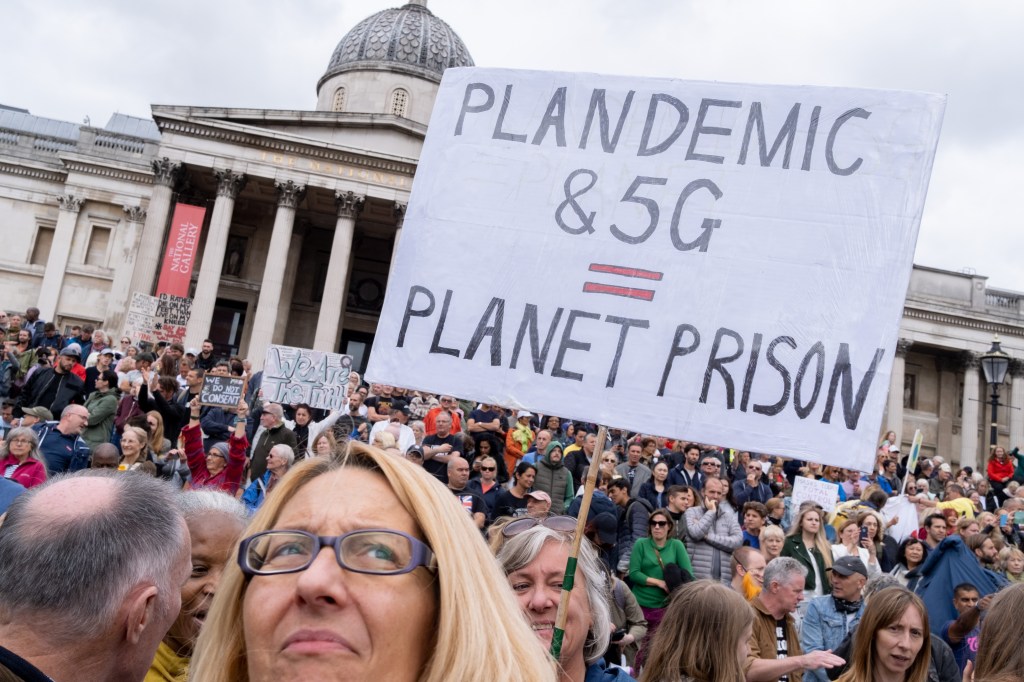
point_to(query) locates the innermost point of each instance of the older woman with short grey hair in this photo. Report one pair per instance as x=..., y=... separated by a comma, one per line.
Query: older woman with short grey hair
x=534, y=560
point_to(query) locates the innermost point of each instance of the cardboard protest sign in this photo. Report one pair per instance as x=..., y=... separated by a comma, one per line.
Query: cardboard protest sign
x=300, y=375
x=725, y=263
x=158, y=318
x=822, y=493
x=141, y=320
x=221, y=391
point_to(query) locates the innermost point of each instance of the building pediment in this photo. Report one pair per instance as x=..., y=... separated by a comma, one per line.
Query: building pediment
x=308, y=134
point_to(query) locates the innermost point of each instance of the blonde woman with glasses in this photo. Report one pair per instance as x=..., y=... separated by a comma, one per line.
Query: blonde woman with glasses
x=364, y=567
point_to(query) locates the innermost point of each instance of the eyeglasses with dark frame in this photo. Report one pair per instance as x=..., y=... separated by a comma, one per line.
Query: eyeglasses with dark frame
x=373, y=551
x=564, y=524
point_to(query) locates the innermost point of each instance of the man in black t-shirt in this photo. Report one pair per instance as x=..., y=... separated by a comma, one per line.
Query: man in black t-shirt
x=378, y=406
x=458, y=477
x=440, y=447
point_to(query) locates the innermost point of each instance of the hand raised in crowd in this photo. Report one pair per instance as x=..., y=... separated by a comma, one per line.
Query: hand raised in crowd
x=194, y=406
x=243, y=408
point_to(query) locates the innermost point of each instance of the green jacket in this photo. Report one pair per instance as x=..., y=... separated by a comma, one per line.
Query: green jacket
x=794, y=547
x=102, y=410
x=643, y=564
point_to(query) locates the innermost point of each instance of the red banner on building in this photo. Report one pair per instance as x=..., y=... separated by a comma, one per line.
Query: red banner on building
x=182, y=250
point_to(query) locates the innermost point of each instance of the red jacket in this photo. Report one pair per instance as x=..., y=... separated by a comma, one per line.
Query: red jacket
x=30, y=473
x=230, y=477
x=997, y=471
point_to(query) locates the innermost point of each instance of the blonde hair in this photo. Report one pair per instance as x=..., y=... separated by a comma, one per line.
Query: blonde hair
x=156, y=438
x=884, y=608
x=384, y=439
x=820, y=539
x=1007, y=553
x=700, y=612
x=473, y=613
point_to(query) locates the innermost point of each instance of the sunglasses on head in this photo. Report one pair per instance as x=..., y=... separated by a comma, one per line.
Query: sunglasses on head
x=565, y=524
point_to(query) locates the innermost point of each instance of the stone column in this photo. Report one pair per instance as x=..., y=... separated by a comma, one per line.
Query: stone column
x=147, y=259
x=399, y=221
x=229, y=184
x=1016, y=401
x=894, y=412
x=332, y=304
x=291, y=271
x=265, y=319
x=124, y=256
x=57, y=261
x=969, y=417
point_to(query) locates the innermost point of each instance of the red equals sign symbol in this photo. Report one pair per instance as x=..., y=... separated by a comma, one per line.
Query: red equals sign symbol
x=623, y=271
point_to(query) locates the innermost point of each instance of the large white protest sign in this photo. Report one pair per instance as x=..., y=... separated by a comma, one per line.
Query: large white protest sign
x=725, y=263
x=822, y=493
x=299, y=375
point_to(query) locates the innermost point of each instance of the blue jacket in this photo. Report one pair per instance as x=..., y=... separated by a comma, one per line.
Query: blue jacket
x=254, y=495
x=61, y=453
x=948, y=565
x=824, y=629
x=597, y=672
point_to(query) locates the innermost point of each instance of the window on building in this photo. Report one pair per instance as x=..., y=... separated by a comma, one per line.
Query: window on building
x=399, y=102
x=339, y=100
x=99, y=243
x=41, y=248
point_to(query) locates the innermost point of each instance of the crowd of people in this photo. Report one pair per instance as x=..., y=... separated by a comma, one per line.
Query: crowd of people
x=449, y=525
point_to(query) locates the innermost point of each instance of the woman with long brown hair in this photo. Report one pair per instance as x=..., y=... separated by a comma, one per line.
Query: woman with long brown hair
x=893, y=640
x=700, y=613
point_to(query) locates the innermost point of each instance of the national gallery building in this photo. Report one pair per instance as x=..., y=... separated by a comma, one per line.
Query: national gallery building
x=302, y=211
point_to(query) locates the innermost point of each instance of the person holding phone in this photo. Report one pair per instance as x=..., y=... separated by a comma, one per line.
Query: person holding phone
x=853, y=541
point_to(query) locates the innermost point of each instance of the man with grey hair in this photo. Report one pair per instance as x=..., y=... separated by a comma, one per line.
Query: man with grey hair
x=279, y=461
x=774, y=644
x=81, y=597
x=272, y=432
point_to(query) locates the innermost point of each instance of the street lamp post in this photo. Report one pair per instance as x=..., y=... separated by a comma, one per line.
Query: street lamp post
x=994, y=363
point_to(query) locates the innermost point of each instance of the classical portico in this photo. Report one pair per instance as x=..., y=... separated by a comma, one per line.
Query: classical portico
x=949, y=321
x=286, y=219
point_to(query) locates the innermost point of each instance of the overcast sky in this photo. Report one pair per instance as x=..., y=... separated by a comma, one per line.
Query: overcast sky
x=69, y=59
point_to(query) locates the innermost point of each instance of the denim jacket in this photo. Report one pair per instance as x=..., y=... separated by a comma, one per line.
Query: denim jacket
x=824, y=629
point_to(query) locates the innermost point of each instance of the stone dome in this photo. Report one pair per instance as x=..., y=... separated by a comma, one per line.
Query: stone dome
x=408, y=39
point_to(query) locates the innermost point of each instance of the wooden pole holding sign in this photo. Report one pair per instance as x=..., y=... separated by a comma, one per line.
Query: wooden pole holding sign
x=570, y=566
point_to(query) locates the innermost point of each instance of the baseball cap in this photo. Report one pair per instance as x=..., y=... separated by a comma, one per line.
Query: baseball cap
x=606, y=527
x=39, y=412
x=191, y=351
x=108, y=351
x=945, y=467
x=848, y=565
x=73, y=350
x=523, y=413
x=894, y=449
x=539, y=495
